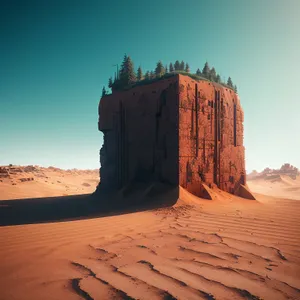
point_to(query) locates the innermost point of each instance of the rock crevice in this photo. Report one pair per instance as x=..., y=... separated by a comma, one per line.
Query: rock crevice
x=178, y=131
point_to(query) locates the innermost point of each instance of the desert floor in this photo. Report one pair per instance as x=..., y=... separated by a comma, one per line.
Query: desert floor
x=282, y=186
x=227, y=248
x=26, y=182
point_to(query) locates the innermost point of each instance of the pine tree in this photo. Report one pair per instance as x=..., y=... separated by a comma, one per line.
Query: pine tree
x=103, y=91
x=198, y=72
x=229, y=82
x=152, y=76
x=123, y=67
x=159, y=70
x=127, y=74
x=187, y=68
x=171, y=68
x=116, y=83
x=182, y=66
x=139, y=74
x=235, y=88
x=110, y=82
x=218, y=79
x=212, y=74
x=166, y=68
x=147, y=75
x=131, y=73
x=177, y=65
x=206, y=70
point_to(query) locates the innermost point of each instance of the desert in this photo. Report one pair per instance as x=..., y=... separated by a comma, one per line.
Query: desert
x=35, y=181
x=149, y=150
x=224, y=248
x=283, y=182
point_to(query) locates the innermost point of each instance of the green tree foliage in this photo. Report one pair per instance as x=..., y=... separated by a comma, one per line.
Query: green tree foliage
x=177, y=65
x=127, y=77
x=147, y=75
x=229, y=82
x=182, y=64
x=212, y=74
x=206, y=70
x=103, y=91
x=171, y=68
x=187, y=68
x=139, y=74
x=159, y=70
x=122, y=70
x=110, y=82
x=127, y=74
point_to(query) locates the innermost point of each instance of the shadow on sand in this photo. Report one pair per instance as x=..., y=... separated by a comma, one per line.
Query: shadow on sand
x=66, y=208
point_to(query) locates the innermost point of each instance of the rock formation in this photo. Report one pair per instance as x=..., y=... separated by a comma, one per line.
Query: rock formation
x=176, y=130
x=285, y=170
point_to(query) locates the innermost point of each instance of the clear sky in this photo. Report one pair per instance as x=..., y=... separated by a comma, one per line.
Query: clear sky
x=55, y=56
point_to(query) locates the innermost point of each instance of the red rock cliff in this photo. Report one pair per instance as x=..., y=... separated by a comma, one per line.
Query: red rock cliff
x=176, y=130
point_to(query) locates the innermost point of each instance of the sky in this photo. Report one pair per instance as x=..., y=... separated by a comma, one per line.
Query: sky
x=55, y=57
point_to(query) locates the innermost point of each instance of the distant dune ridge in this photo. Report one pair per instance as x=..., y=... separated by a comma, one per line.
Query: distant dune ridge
x=283, y=182
x=35, y=181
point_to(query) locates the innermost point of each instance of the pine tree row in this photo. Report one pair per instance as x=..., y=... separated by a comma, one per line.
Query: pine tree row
x=127, y=77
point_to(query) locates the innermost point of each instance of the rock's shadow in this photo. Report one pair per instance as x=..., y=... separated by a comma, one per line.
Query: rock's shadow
x=66, y=208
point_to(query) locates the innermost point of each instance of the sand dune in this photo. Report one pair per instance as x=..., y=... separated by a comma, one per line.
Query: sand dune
x=227, y=248
x=19, y=182
x=283, y=182
x=281, y=186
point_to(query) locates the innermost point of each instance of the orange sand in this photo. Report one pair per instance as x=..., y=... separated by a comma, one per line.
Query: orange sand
x=227, y=248
x=282, y=186
x=48, y=182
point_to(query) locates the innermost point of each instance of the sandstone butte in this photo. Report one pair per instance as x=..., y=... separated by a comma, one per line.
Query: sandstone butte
x=176, y=130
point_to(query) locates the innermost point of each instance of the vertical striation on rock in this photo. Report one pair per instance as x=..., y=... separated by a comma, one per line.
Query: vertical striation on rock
x=176, y=130
x=213, y=153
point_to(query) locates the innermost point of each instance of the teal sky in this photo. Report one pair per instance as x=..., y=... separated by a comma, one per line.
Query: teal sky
x=55, y=56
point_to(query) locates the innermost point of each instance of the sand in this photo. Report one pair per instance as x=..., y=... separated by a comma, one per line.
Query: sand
x=34, y=181
x=281, y=186
x=227, y=248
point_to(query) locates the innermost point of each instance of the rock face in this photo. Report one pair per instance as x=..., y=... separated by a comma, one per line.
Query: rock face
x=178, y=131
x=4, y=172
